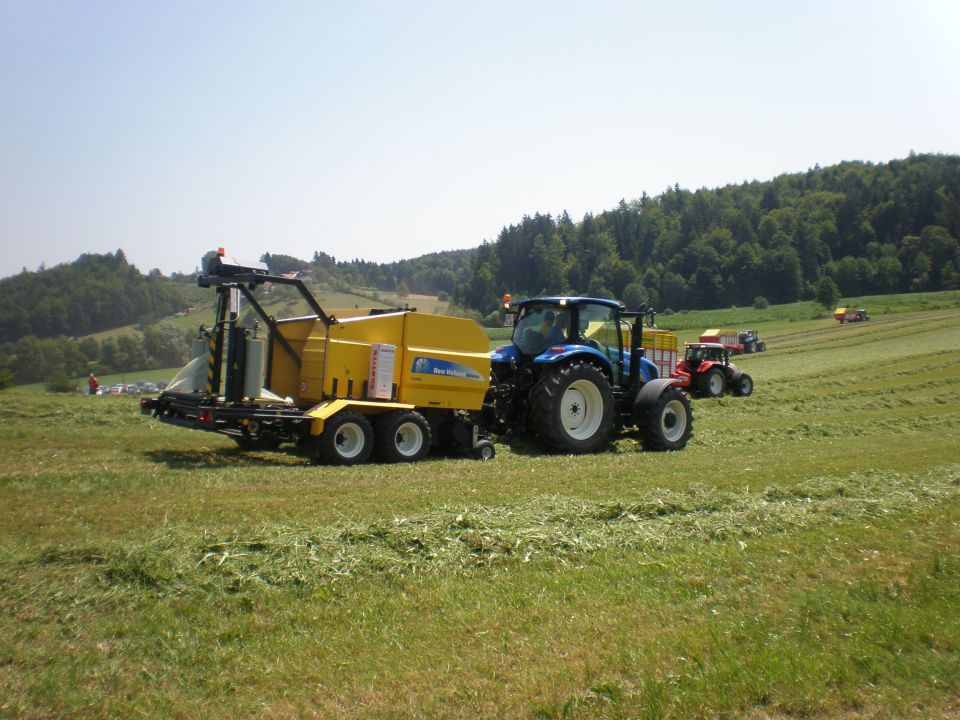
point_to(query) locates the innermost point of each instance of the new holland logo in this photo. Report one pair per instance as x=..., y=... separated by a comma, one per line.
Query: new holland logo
x=444, y=368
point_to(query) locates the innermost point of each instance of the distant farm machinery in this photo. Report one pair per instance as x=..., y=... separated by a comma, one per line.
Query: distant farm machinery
x=736, y=341
x=850, y=315
x=706, y=371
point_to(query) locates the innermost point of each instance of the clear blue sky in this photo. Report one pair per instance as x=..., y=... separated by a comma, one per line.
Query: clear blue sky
x=389, y=130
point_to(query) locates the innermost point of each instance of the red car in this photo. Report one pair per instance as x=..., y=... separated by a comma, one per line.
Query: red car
x=706, y=370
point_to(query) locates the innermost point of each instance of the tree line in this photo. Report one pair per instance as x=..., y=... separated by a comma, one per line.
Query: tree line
x=431, y=274
x=869, y=228
x=91, y=294
x=882, y=228
x=33, y=360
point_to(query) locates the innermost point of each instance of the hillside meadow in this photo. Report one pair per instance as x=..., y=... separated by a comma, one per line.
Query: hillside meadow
x=801, y=558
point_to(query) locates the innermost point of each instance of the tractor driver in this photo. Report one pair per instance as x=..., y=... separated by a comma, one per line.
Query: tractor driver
x=552, y=330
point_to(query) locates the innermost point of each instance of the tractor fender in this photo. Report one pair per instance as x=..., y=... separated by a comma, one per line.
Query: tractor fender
x=504, y=354
x=650, y=393
x=708, y=365
x=564, y=353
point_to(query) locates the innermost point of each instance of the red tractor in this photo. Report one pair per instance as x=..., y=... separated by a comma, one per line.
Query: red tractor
x=706, y=370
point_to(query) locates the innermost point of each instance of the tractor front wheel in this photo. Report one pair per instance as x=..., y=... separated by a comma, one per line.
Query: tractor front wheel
x=571, y=408
x=402, y=436
x=347, y=439
x=743, y=386
x=667, y=423
x=712, y=383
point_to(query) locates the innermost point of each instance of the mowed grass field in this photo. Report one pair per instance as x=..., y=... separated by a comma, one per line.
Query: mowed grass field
x=801, y=558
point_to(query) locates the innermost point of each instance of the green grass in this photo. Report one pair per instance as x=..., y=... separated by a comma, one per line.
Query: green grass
x=798, y=559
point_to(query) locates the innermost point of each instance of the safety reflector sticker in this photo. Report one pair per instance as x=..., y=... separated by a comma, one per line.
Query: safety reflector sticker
x=432, y=366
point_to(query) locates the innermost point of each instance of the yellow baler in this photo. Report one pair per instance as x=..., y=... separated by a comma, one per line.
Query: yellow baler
x=391, y=383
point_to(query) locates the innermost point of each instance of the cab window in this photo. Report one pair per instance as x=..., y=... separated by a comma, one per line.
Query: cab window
x=599, y=328
x=540, y=326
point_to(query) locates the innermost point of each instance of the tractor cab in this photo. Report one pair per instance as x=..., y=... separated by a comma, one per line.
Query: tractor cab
x=697, y=353
x=549, y=331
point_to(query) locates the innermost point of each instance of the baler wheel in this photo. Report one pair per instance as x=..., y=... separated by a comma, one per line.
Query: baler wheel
x=401, y=436
x=484, y=450
x=347, y=439
x=571, y=408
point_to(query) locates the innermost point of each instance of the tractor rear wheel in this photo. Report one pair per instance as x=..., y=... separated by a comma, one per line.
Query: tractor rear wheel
x=347, y=439
x=668, y=423
x=743, y=386
x=712, y=383
x=571, y=408
x=401, y=436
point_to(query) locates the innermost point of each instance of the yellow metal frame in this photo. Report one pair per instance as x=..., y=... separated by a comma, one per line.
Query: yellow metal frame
x=326, y=410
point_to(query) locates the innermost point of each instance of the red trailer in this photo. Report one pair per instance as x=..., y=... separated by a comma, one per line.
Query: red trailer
x=730, y=339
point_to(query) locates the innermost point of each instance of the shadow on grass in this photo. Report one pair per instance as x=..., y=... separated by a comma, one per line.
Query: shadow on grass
x=289, y=456
x=526, y=445
x=224, y=457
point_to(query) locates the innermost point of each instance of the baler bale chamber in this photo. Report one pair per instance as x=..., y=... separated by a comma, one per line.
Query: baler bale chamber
x=389, y=384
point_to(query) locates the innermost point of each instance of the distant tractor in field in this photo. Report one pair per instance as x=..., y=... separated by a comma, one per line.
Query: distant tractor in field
x=849, y=314
x=736, y=341
x=750, y=342
x=706, y=371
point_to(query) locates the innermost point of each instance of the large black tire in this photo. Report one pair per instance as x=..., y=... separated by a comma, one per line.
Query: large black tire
x=743, y=386
x=761, y=346
x=401, y=436
x=347, y=439
x=571, y=408
x=712, y=383
x=666, y=424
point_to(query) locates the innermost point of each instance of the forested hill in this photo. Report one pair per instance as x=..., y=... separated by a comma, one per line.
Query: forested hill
x=93, y=293
x=872, y=229
x=431, y=274
x=883, y=228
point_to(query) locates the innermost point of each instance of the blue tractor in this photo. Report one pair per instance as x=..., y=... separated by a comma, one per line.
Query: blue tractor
x=575, y=374
x=751, y=342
